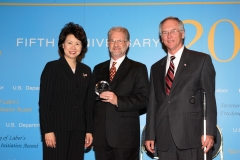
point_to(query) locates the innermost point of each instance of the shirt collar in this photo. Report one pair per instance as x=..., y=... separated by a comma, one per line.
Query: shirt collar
x=178, y=54
x=119, y=61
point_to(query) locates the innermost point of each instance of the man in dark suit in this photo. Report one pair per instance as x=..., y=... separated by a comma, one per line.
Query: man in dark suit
x=116, y=116
x=174, y=124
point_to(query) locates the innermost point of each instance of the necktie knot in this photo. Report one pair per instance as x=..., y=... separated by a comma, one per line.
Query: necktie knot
x=172, y=58
x=113, y=64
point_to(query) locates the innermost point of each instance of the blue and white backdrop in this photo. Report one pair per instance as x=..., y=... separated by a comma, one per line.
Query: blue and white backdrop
x=29, y=32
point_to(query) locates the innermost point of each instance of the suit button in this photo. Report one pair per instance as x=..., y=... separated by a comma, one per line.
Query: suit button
x=76, y=96
x=77, y=86
x=75, y=106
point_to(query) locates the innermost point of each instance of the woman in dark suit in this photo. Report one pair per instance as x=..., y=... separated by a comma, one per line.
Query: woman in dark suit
x=66, y=96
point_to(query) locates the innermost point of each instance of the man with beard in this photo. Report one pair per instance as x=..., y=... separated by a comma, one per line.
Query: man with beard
x=116, y=115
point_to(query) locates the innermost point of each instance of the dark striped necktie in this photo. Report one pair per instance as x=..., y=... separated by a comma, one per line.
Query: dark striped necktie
x=170, y=75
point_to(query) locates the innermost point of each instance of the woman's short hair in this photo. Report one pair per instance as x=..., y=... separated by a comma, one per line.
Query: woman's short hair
x=77, y=31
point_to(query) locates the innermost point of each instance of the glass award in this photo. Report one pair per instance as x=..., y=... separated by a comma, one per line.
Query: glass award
x=100, y=87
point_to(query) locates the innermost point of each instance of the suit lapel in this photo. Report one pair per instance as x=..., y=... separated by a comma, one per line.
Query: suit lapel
x=122, y=70
x=66, y=68
x=181, y=67
x=104, y=72
x=158, y=75
x=80, y=74
x=163, y=74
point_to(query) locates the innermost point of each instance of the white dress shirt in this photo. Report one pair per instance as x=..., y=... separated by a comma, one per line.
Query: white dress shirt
x=119, y=61
x=175, y=61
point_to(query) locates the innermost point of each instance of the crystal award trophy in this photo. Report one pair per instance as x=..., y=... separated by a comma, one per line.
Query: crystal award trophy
x=100, y=87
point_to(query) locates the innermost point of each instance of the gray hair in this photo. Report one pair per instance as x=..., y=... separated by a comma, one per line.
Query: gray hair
x=180, y=23
x=119, y=29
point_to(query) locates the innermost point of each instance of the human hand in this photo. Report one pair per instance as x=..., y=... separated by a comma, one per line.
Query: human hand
x=150, y=145
x=50, y=140
x=208, y=143
x=88, y=140
x=108, y=96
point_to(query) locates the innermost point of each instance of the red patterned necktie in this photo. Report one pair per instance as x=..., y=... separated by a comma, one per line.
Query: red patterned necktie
x=170, y=75
x=112, y=71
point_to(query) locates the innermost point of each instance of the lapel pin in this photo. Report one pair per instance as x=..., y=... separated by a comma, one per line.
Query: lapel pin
x=185, y=65
x=84, y=75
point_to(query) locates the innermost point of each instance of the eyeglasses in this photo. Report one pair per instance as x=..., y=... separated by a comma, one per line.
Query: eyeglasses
x=120, y=41
x=172, y=32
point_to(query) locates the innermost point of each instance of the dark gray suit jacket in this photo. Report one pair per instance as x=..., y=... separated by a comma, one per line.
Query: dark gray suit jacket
x=174, y=114
x=66, y=99
x=120, y=125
